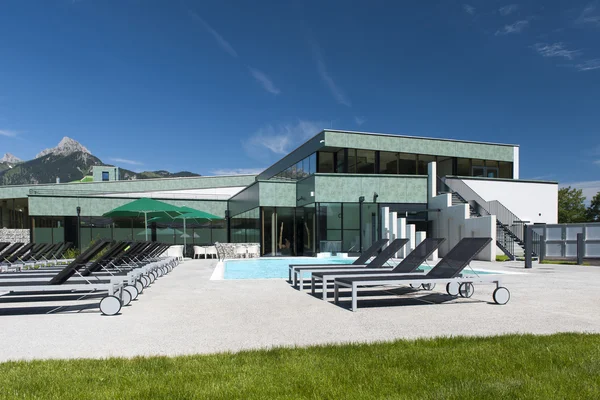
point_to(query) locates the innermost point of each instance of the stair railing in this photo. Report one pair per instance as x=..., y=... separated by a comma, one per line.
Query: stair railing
x=506, y=217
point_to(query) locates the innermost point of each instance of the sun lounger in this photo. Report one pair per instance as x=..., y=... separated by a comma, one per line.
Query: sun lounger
x=408, y=265
x=15, y=258
x=378, y=262
x=364, y=257
x=447, y=271
x=109, y=305
x=10, y=250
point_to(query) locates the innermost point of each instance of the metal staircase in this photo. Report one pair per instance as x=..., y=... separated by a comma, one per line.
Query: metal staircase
x=509, y=228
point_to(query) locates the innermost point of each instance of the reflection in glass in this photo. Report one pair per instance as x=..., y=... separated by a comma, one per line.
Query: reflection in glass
x=388, y=163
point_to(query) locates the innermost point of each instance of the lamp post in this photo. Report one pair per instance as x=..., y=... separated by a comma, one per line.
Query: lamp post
x=79, y=227
x=361, y=200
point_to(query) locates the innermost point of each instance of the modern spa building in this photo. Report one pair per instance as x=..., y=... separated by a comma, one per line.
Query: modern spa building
x=326, y=195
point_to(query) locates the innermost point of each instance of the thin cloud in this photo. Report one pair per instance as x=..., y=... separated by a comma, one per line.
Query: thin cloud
x=264, y=80
x=507, y=10
x=469, y=9
x=597, y=162
x=359, y=120
x=555, y=50
x=7, y=133
x=126, y=161
x=516, y=27
x=337, y=92
x=237, y=171
x=282, y=138
x=589, y=15
x=589, y=65
x=224, y=44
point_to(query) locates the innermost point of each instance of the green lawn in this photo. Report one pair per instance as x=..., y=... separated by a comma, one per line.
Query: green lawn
x=541, y=367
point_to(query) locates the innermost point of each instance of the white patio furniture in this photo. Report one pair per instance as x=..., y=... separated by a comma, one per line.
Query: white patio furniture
x=211, y=251
x=199, y=251
x=254, y=251
x=241, y=251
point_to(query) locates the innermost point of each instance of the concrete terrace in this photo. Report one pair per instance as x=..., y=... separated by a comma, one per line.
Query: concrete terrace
x=186, y=313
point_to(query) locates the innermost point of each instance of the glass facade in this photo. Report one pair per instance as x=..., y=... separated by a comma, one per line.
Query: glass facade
x=357, y=161
x=300, y=170
x=339, y=226
x=245, y=227
x=52, y=230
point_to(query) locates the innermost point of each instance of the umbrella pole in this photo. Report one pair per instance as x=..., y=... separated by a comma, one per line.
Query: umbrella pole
x=146, y=224
x=184, y=233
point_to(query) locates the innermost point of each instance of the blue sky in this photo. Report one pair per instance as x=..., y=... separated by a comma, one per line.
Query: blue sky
x=224, y=86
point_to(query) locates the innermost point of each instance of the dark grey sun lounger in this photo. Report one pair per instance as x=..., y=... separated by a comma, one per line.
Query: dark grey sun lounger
x=364, y=257
x=377, y=262
x=447, y=271
x=3, y=245
x=408, y=265
x=8, y=252
x=109, y=305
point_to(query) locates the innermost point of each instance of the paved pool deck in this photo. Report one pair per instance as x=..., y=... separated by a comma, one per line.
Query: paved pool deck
x=187, y=313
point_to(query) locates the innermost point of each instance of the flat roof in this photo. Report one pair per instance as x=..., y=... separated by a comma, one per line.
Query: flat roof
x=416, y=137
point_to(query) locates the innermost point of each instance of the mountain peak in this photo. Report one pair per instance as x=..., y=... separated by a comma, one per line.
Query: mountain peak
x=11, y=159
x=65, y=147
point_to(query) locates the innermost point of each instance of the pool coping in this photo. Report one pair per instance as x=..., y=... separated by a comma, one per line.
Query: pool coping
x=218, y=273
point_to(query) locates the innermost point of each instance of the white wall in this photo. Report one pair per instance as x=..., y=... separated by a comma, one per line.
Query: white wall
x=530, y=201
x=454, y=222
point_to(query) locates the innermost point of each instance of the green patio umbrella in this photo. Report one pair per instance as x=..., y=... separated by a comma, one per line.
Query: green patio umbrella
x=146, y=207
x=189, y=213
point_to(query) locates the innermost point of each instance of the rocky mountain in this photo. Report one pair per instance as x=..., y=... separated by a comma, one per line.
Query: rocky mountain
x=65, y=147
x=69, y=161
x=10, y=159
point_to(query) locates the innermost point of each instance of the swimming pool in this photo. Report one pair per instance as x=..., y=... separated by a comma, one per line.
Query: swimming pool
x=273, y=268
x=277, y=268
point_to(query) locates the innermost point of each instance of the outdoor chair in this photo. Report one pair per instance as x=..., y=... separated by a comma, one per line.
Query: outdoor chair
x=447, y=271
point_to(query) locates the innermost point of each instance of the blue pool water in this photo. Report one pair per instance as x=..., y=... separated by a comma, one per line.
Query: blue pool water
x=266, y=268
x=272, y=268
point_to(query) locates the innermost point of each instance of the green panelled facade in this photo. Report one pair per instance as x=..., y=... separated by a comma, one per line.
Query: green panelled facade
x=325, y=195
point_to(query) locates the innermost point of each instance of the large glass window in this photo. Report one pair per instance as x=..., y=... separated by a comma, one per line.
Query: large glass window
x=369, y=224
x=326, y=162
x=422, y=164
x=352, y=161
x=365, y=161
x=245, y=227
x=330, y=227
x=312, y=164
x=506, y=170
x=351, y=227
x=463, y=167
x=309, y=228
x=341, y=162
x=491, y=169
x=407, y=164
x=478, y=168
x=388, y=163
x=444, y=166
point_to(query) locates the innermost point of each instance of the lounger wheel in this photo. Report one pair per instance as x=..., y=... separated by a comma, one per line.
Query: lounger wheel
x=452, y=288
x=132, y=290
x=139, y=285
x=501, y=295
x=152, y=277
x=110, y=305
x=145, y=281
x=126, y=297
x=428, y=286
x=466, y=290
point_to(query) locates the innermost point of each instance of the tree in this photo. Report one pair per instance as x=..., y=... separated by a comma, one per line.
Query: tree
x=571, y=207
x=593, y=211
